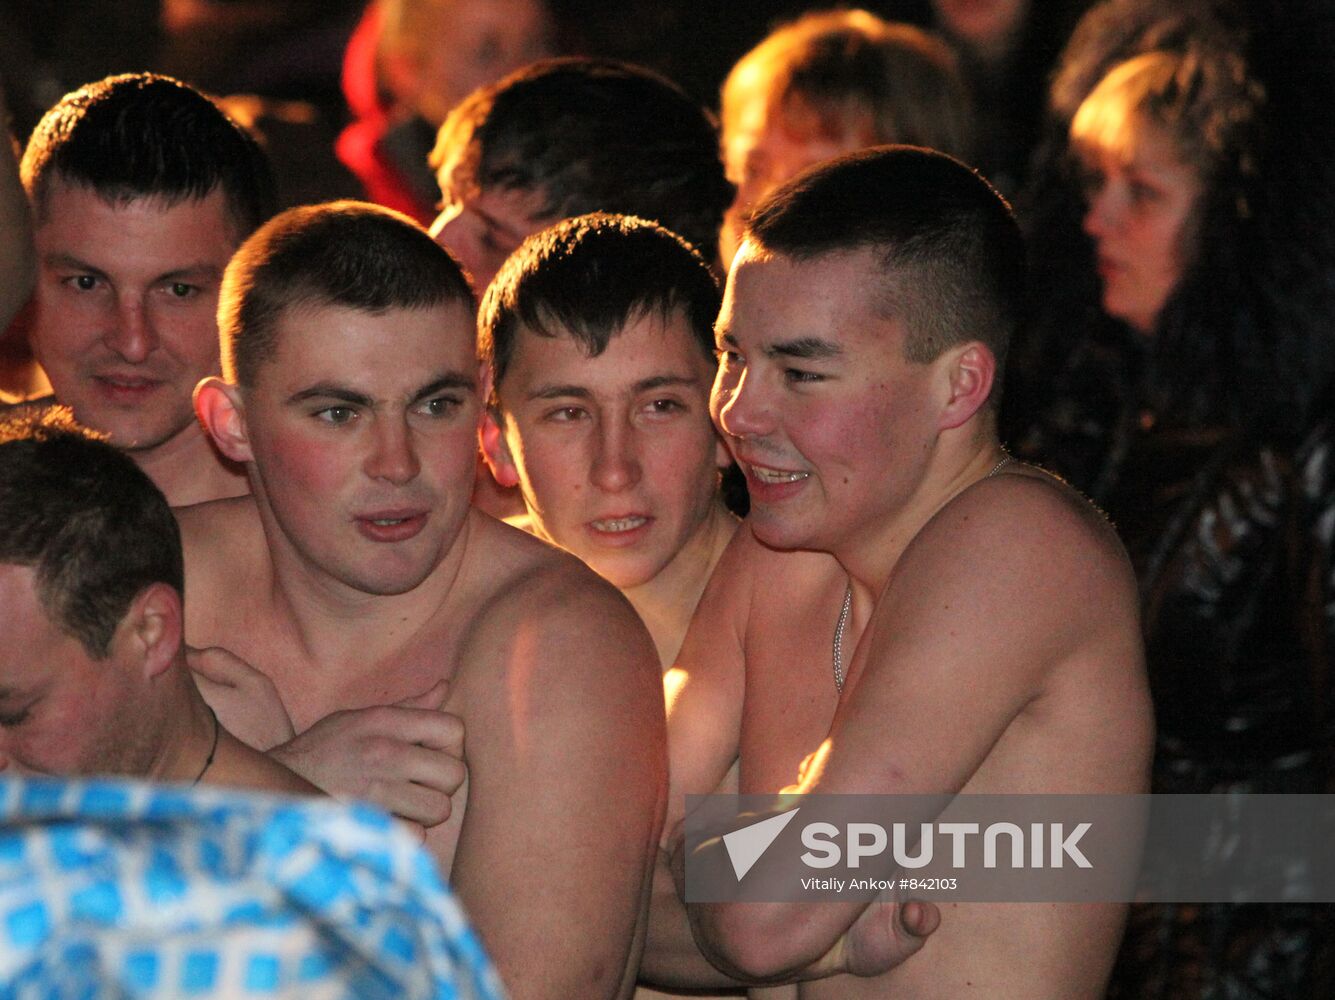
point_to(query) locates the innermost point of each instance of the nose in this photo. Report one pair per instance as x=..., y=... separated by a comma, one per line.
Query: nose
x=393, y=455
x=1101, y=212
x=131, y=332
x=455, y=232
x=616, y=463
x=739, y=404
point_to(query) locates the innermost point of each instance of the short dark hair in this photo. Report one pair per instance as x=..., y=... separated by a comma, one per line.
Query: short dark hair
x=88, y=520
x=593, y=135
x=951, y=254
x=140, y=135
x=343, y=253
x=588, y=278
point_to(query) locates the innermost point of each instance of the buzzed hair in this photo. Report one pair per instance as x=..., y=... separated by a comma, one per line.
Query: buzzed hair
x=950, y=252
x=140, y=135
x=93, y=527
x=588, y=278
x=592, y=135
x=344, y=253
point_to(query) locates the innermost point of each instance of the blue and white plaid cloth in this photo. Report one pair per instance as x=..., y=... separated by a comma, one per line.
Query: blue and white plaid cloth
x=121, y=889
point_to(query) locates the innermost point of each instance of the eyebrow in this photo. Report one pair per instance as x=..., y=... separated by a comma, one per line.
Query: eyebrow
x=196, y=270
x=344, y=394
x=808, y=348
x=581, y=392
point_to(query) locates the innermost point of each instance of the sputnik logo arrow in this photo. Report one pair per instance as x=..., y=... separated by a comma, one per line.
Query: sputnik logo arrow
x=745, y=846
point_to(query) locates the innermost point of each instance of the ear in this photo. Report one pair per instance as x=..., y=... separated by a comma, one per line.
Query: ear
x=151, y=630
x=969, y=370
x=496, y=450
x=218, y=405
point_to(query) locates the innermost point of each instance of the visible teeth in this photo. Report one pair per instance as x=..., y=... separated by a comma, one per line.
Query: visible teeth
x=620, y=524
x=775, y=476
x=386, y=521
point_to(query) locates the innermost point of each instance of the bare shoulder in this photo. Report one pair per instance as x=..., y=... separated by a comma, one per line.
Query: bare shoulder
x=223, y=542
x=539, y=609
x=1030, y=533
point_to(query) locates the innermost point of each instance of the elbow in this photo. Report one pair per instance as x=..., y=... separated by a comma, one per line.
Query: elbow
x=754, y=942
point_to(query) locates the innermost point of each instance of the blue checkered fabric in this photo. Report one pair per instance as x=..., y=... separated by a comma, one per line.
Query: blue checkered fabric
x=123, y=889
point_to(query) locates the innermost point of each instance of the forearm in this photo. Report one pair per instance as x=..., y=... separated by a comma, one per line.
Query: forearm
x=672, y=959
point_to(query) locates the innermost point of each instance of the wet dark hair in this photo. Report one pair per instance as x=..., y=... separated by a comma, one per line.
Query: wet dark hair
x=91, y=524
x=344, y=253
x=950, y=252
x=140, y=135
x=588, y=278
x=592, y=135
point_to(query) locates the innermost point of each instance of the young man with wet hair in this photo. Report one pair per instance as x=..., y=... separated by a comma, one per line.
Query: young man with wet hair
x=906, y=609
x=358, y=575
x=141, y=188
x=93, y=678
x=599, y=334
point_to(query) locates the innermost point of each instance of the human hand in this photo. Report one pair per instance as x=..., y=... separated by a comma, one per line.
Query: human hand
x=406, y=757
x=886, y=933
x=244, y=698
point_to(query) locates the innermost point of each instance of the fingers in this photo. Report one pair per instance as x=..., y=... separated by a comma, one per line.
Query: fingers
x=218, y=665
x=402, y=763
x=421, y=806
x=430, y=728
x=919, y=917
x=432, y=698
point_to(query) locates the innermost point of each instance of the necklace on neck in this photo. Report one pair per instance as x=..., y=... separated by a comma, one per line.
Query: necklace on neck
x=847, y=606
x=1006, y=460
x=212, y=750
x=839, y=627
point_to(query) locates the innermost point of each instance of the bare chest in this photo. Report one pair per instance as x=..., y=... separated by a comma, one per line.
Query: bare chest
x=790, y=695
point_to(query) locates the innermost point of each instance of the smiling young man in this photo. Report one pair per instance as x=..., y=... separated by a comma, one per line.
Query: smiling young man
x=906, y=610
x=141, y=189
x=599, y=333
x=93, y=678
x=358, y=575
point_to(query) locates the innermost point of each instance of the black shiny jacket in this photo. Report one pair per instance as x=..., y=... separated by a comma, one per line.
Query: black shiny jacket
x=1231, y=534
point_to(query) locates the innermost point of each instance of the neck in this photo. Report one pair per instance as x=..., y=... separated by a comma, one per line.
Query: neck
x=870, y=558
x=339, y=626
x=667, y=602
x=189, y=470
x=189, y=733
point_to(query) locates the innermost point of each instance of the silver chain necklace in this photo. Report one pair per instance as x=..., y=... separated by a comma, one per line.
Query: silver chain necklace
x=847, y=606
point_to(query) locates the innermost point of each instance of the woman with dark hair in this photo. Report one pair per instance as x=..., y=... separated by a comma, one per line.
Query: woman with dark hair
x=1184, y=382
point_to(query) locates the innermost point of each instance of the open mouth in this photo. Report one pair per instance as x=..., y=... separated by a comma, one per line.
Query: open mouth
x=775, y=476
x=617, y=525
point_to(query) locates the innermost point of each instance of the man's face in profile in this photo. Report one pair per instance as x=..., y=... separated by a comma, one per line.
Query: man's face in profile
x=125, y=308
x=615, y=454
x=481, y=227
x=63, y=712
x=831, y=424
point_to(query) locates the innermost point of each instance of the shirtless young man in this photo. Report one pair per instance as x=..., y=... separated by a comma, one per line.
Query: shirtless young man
x=93, y=677
x=992, y=643
x=141, y=188
x=599, y=333
x=358, y=575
